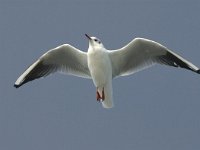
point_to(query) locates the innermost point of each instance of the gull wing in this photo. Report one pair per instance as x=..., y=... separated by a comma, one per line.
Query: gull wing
x=64, y=58
x=142, y=53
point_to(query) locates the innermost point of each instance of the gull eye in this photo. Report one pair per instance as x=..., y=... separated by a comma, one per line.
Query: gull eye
x=95, y=40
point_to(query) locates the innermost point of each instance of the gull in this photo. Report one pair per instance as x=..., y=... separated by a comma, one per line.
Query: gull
x=102, y=65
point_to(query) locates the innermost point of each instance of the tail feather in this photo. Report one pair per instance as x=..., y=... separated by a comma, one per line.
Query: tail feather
x=108, y=101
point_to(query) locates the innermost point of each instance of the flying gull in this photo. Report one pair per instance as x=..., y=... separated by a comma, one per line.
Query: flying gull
x=102, y=65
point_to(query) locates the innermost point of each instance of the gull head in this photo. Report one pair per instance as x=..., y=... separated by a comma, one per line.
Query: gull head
x=94, y=42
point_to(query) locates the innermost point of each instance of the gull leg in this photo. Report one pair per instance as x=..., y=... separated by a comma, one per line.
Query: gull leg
x=98, y=96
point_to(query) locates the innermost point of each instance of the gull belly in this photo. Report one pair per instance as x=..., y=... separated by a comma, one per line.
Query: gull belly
x=100, y=67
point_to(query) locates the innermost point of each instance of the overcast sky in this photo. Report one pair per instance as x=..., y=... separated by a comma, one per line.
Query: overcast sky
x=155, y=109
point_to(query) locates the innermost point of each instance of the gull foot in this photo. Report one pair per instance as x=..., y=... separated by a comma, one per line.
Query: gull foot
x=98, y=96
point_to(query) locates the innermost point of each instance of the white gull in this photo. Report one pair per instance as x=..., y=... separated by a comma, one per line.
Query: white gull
x=102, y=65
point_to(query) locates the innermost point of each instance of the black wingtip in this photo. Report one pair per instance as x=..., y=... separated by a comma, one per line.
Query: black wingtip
x=198, y=71
x=16, y=86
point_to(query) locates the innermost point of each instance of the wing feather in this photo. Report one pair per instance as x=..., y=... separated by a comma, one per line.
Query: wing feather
x=64, y=58
x=142, y=53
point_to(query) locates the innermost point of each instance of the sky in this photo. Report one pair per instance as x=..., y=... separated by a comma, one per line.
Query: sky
x=155, y=109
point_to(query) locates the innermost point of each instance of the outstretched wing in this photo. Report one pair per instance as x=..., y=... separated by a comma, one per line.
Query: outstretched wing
x=64, y=58
x=141, y=53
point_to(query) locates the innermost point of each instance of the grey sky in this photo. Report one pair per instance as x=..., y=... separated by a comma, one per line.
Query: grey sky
x=154, y=109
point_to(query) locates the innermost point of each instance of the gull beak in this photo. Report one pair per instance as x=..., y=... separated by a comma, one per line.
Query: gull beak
x=88, y=36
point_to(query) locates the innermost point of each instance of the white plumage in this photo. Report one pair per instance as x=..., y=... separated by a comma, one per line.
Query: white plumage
x=102, y=65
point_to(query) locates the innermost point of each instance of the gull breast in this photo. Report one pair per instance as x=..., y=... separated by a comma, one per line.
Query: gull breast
x=100, y=67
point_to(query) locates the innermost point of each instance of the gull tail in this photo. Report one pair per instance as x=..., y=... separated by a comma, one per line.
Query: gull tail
x=108, y=101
